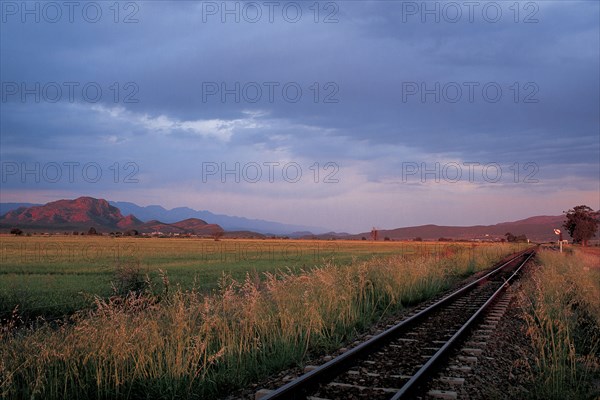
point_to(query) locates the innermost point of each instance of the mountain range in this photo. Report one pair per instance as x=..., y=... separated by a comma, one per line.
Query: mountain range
x=539, y=228
x=84, y=212
x=229, y=223
x=153, y=213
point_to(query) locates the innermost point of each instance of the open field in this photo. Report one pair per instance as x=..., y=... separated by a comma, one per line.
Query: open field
x=59, y=274
x=190, y=344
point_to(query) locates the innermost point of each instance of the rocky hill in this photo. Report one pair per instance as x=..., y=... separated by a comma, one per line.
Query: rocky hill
x=78, y=214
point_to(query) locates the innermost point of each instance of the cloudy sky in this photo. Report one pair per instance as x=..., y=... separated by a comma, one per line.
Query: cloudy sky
x=339, y=114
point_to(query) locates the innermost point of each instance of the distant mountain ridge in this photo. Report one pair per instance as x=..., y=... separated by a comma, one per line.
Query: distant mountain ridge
x=229, y=223
x=190, y=225
x=538, y=228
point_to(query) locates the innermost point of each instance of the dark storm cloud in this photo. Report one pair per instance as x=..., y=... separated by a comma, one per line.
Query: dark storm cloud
x=370, y=55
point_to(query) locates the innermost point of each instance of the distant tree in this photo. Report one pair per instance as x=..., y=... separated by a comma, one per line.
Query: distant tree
x=363, y=238
x=217, y=235
x=418, y=239
x=582, y=223
x=374, y=234
x=16, y=231
x=131, y=232
x=521, y=239
x=386, y=239
x=75, y=233
x=92, y=231
x=515, y=239
x=443, y=239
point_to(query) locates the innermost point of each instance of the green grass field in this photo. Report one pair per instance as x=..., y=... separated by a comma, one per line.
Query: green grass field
x=60, y=274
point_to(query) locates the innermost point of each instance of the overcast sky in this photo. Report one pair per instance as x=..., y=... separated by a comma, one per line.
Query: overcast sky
x=341, y=114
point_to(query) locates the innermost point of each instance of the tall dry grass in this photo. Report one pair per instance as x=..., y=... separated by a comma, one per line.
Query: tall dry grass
x=563, y=321
x=170, y=343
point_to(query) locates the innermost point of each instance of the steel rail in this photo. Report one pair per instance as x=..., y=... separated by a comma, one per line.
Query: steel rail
x=410, y=386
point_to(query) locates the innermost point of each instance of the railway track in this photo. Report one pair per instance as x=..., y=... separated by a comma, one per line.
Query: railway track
x=396, y=363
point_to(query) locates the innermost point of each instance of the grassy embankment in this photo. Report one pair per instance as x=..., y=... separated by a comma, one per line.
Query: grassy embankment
x=562, y=304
